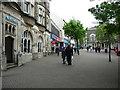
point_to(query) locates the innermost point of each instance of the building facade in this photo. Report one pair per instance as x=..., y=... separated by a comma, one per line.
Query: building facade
x=91, y=37
x=23, y=28
x=55, y=36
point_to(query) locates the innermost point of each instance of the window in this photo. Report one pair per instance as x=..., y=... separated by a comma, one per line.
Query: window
x=40, y=11
x=6, y=27
x=10, y=28
x=39, y=45
x=92, y=37
x=26, y=7
x=26, y=42
x=40, y=19
x=13, y=29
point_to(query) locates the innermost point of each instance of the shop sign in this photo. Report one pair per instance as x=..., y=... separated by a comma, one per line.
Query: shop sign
x=53, y=42
x=54, y=37
x=66, y=41
x=12, y=19
x=58, y=39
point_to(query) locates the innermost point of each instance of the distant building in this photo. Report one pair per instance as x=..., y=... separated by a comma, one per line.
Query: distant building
x=91, y=36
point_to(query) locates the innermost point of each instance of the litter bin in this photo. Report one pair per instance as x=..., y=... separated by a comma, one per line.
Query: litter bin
x=105, y=50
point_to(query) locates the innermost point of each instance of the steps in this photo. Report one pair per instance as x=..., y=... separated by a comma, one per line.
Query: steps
x=11, y=65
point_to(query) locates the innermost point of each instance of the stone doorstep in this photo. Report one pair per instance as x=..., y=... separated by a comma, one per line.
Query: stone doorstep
x=11, y=65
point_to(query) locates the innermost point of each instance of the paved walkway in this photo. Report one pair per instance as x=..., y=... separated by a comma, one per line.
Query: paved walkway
x=89, y=70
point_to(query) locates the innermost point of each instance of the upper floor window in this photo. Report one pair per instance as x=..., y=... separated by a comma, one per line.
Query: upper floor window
x=40, y=11
x=26, y=7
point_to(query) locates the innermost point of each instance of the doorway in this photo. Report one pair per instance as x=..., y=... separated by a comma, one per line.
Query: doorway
x=9, y=49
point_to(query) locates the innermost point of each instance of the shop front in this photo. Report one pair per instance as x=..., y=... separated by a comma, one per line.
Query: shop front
x=55, y=42
x=66, y=42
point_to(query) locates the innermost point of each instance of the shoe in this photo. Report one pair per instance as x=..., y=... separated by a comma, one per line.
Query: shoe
x=70, y=64
x=64, y=63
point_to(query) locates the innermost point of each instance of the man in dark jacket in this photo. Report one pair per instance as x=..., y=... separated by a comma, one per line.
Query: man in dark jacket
x=69, y=54
x=63, y=55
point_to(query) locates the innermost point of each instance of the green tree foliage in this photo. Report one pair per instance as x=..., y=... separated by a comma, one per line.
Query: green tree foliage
x=108, y=13
x=75, y=30
x=102, y=35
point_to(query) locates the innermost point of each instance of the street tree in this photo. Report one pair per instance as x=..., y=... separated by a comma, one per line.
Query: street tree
x=101, y=35
x=107, y=13
x=75, y=30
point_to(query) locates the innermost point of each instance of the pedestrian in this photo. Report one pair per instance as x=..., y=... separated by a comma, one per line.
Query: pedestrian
x=87, y=48
x=93, y=48
x=63, y=55
x=57, y=51
x=53, y=50
x=96, y=49
x=69, y=54
x=99, y=49
x=74, y=49
x=90, y=48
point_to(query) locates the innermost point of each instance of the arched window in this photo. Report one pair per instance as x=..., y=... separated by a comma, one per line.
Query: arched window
x=13, y=29
x=22, y=45
x=39, y=44
x=25, y=45
x=26, y=42
x=92, y=37
x=28, y=46
x=10, y=28
x=6, y=27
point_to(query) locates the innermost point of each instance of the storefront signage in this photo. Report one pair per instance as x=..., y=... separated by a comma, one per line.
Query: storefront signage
x=53, y=42
x=12, y=19
x=54, y=37
x=66, y=41
x=58, y=39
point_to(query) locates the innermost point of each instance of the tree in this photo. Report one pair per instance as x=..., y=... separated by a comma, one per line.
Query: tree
x=108, y=13
x=101, y=34
x=74, y=29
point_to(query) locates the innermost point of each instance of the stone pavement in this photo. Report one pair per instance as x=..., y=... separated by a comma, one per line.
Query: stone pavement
x=89, y=70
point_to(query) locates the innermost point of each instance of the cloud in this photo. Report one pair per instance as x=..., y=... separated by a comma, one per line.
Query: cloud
x=67, y=9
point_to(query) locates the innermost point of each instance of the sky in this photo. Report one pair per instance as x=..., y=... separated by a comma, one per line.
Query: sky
x=75, y=9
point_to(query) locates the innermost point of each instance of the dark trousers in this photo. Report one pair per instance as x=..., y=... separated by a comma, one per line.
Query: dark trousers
x=63, y=60
x=69, y=60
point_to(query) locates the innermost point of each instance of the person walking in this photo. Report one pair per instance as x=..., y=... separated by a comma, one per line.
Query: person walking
x=99, y=49
x=57, y=51
x=63, y=55
x=96, y=48
x=87, y=48
x=69, y=54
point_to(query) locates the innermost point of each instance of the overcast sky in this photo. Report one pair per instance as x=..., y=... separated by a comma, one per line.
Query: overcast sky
x=77, y=9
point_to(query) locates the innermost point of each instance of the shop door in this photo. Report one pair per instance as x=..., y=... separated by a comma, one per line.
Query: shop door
x=9, y=49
